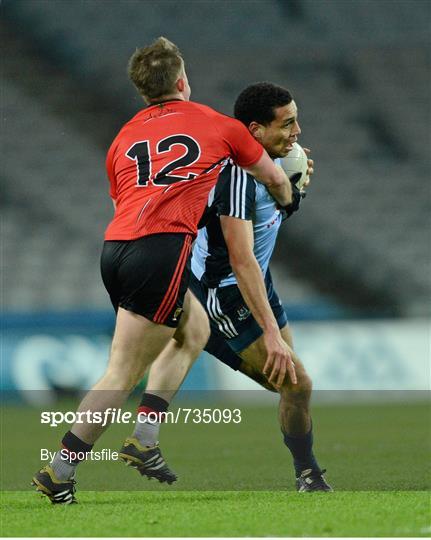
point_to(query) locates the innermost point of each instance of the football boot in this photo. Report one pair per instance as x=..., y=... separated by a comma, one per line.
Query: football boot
x=147, y=459
x=312, y=480
x=58, y=491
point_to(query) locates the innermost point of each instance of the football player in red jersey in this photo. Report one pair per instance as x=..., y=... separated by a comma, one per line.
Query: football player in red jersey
x=161, y=167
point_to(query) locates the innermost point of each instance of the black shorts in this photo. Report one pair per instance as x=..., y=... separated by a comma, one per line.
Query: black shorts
x=148, y=276
x=230, y=317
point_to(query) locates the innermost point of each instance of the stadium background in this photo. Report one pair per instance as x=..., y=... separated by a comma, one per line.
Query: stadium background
x=353, y=266
x=359, y=250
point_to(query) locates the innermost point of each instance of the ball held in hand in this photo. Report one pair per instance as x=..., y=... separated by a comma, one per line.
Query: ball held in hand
x=295, y=165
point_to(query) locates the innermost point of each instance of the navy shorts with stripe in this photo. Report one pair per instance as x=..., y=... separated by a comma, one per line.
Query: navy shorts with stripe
x=148, y=276
x=231, y=319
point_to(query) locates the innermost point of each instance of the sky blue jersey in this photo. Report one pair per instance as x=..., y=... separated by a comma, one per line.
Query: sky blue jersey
x=236, y=194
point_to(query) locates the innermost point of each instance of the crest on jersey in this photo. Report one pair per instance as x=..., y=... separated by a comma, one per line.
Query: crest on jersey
x=243, y=313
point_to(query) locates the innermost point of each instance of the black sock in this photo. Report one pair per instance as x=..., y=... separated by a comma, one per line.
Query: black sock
x=66, y=460
x=74, y=448
x=301, y=449
x=153, y=403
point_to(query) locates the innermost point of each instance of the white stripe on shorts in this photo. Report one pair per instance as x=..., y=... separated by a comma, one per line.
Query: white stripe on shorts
x=224, y=323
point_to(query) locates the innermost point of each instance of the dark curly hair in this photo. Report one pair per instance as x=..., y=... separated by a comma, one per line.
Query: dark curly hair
x=257, y=102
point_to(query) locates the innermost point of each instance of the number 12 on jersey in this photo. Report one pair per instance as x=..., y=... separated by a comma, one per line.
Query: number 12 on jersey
x=140, y=153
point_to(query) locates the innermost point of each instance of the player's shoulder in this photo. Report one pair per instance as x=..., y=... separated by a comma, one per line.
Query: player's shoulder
x=213, y=114
x=205, y=109
x=231, y=171
x=234, y=178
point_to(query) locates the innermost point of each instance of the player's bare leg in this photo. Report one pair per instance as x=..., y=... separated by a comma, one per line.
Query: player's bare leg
x=165, y=378
x=170, y=368
x=294, y=413
x=136, y=343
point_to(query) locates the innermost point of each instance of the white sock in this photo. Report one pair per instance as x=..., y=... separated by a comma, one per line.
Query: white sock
x=146, y=432
x=62, y=468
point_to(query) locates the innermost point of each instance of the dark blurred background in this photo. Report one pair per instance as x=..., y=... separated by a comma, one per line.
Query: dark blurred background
x=360, y=73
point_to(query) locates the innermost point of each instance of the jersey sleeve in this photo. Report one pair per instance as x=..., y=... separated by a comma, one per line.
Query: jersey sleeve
x=235, y=193
x=245, y=150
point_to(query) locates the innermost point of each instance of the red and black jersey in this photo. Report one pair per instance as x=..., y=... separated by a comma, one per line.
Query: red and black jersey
x=163, y=163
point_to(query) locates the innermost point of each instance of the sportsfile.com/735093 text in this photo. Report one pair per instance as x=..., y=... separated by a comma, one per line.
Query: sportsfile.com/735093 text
x=117, y=416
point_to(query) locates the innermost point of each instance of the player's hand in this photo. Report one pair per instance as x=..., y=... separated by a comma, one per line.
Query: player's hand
x=278, y=361
x=299, y=193
x=310, y=169
x=297, y=196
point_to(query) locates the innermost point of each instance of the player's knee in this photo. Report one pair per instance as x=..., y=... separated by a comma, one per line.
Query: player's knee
x=199, y=334
x=125, y=370
x=124, y=351
x=305, y=384
x=122, y=380
x=195, y=335
x=301, y=391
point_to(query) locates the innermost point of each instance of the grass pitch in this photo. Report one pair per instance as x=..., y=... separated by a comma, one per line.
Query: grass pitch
x=238, y=480
x=220, y=514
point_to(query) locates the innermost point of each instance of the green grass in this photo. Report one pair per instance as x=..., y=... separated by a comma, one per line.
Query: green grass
x=235, y=480
x=220, y=514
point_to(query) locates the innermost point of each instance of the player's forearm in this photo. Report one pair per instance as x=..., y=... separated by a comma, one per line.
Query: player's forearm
x=274, y=178
x=252, y=286
x=282, y=193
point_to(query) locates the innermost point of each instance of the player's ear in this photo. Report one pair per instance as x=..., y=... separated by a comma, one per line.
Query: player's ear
x=257, y=130
x=180, y=84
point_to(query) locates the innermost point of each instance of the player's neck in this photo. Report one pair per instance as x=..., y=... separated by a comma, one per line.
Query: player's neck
x=164, y=99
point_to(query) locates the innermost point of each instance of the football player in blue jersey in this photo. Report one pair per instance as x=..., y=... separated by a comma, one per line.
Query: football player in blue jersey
x=231, y=278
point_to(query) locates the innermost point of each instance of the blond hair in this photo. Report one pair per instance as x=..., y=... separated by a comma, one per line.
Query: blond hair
x=154, y=69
